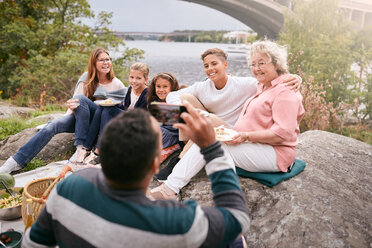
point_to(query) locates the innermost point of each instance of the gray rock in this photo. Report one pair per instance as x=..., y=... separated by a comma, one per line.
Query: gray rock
x=59, y=145
x=7, y=110
x=47, y=118
x=327, y=205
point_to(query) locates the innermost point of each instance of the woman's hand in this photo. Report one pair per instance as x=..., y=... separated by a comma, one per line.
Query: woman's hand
x=293, y=81
x=72, y=104
x=238, y=139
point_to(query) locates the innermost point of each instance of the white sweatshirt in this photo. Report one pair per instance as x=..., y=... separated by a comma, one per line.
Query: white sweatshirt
x=226, y=103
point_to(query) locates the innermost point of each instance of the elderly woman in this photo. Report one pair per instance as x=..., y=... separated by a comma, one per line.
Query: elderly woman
x=266, y=129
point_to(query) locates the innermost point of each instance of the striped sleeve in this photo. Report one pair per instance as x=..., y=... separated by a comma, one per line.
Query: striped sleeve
x=229, y=217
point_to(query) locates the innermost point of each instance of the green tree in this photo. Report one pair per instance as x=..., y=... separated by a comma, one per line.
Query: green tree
x=367, y=98
x=44, y=47
x=361, y=52
x=319, y=32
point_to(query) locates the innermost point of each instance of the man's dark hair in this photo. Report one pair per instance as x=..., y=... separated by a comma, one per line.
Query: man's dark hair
x=128, y=146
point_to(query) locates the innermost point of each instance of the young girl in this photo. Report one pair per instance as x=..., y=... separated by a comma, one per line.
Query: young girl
x=137, y=93
x=136, y=97
x=161, y=84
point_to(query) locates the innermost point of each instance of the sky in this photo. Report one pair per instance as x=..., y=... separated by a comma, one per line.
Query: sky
x=163, y=16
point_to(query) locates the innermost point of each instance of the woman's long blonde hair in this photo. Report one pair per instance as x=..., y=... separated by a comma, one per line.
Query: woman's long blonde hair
x=92, y=79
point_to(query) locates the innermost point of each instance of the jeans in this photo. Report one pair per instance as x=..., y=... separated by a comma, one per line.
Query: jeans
x=77, y=122
x=169, y=135
x=101, y=117
x=84, y=114
x=64, y=124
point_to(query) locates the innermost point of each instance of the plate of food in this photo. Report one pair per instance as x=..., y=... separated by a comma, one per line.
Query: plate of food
x=10, y=207
x=108, y=102
x=224, y=134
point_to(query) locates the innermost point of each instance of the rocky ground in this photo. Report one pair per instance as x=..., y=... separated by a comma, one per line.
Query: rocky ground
x=328, y=205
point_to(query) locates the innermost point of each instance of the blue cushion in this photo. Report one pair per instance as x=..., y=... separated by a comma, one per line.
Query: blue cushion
x=273, y=178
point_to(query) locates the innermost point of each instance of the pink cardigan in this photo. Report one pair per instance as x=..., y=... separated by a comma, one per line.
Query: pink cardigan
x=279, y=109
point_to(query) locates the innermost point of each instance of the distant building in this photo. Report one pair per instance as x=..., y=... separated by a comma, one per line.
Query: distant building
x=238, y=36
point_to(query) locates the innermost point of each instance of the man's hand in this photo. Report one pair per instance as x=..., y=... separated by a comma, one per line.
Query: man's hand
x=197, y=127
x=292, y=81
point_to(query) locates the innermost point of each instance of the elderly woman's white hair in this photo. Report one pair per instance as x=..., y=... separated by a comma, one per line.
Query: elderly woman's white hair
x=277, y=54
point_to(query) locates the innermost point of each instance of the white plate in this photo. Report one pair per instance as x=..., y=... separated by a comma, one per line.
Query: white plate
x=103, y=103
x=226, y=135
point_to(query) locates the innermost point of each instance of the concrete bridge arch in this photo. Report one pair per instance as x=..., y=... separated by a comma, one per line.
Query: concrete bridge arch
x=266, y=16
x=263, y=16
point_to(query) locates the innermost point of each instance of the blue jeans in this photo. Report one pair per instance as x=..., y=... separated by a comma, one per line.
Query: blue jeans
x=84, y=114
x=64, y=124
x=169, y=135
x=101, y=117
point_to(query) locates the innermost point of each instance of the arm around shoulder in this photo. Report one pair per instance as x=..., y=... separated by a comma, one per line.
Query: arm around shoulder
x=174, y=97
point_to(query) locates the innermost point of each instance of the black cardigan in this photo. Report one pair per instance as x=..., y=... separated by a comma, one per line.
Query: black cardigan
x=142, y=100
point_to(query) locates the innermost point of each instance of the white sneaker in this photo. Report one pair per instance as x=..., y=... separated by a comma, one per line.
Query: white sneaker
x=78, y=156
x=81, y=155
x=9, y=166
x=73, y=157
x=162, y=192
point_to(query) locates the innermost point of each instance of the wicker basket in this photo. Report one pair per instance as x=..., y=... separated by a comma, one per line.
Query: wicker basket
x=34, y=190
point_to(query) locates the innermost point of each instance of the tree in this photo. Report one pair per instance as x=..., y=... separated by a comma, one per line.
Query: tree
x=361, y=52
x=319, y=32
x=320, y=41
x=44, y=48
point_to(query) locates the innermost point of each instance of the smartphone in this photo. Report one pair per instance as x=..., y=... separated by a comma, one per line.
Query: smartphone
x=167, y=113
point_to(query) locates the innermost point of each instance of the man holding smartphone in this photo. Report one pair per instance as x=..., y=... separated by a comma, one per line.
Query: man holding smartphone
x=108, y=207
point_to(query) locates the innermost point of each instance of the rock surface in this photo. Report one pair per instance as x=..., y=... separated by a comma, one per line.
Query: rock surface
x=59, y=145
x=329, y=204
x=48, y=117
x=7, y=110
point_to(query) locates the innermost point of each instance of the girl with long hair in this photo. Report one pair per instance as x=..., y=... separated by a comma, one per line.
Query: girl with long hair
x=98, y=82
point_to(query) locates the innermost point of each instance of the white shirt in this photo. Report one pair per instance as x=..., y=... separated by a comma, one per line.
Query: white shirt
x=133, y=99
x=227, y=103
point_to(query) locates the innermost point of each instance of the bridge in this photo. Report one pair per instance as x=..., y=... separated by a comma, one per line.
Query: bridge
x=266, y=16
x=152, y=34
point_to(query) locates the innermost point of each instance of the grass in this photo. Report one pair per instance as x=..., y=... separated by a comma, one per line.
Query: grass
x=358, y=132
x=47, y=110
x=14, y=125
x=33, y=164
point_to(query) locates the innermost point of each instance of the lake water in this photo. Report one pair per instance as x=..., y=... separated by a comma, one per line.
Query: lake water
x=183, y=59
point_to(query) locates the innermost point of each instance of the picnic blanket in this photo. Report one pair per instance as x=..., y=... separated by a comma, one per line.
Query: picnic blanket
x=273, y=178
x=50, y=170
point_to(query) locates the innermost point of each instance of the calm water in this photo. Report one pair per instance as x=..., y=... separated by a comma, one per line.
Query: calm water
x=183, y=59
